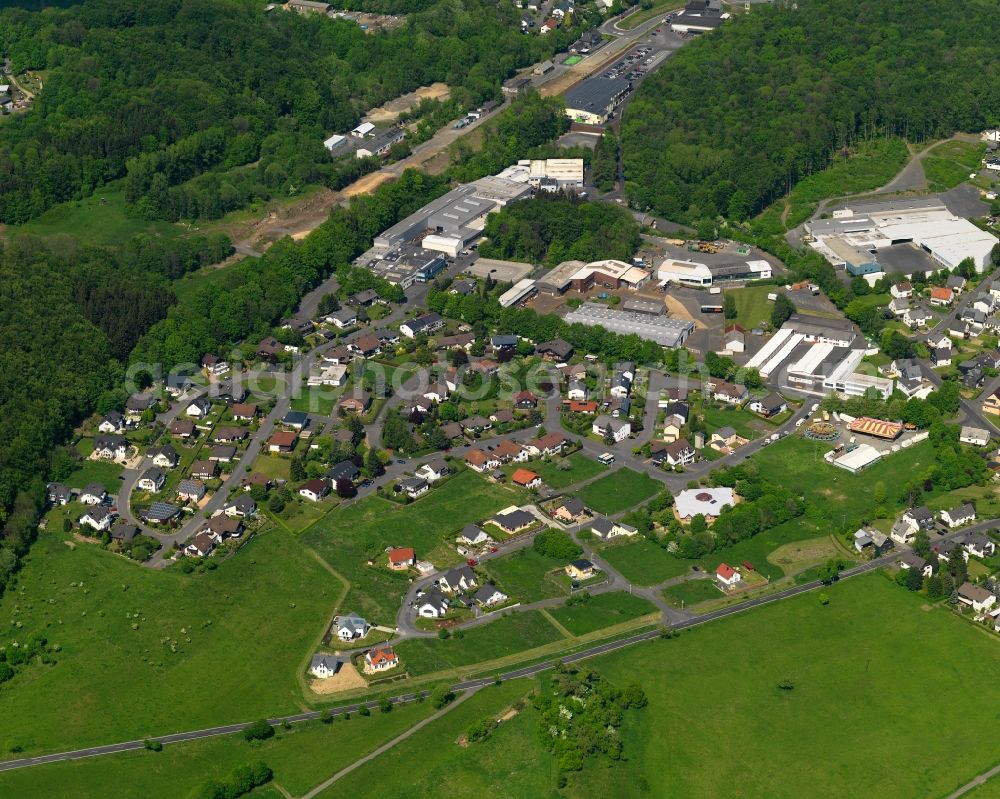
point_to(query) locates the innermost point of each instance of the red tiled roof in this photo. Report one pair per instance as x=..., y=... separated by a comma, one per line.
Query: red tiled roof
x=283, y=438
x=939, y=293
x=476, y=457
x=401, y=555
x=523, y=476
x=725, y=571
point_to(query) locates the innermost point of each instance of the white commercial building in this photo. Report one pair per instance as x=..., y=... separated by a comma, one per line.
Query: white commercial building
x=553, y=174
x=693, y=273
x=519, y=291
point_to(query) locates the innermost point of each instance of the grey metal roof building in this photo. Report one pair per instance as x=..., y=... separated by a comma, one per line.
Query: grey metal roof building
x=663, y=330
x=596, y=97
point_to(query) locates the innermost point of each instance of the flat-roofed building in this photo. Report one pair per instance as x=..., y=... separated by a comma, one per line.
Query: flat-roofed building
x=594, y=100
x=665, y=331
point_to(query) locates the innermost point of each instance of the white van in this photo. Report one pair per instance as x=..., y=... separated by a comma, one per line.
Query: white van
x=607, y=458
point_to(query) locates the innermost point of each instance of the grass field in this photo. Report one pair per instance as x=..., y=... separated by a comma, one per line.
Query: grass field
x=951, y=163
x=645, y=563
x=348, y=537
x=103, y=472
x=146, y=652
x=508, y=635
x=581, y=468
x=274, y=466
x=318, y=399
x=746, y=423
x=752, y=305
x=431, y=763
x=301, y=757
x=602, y=610
x=522, y=575
x=618, y=491
x=635, y=20
x=691, y=592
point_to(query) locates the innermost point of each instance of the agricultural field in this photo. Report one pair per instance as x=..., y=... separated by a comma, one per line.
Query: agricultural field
x=517, y=632
x=223, y=646
x=349, y=536
x=618, y=491
x=524, y=575
x=301, y=757
x=601, y=611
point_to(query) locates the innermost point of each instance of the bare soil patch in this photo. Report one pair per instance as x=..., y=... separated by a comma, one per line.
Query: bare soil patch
x=346, y=679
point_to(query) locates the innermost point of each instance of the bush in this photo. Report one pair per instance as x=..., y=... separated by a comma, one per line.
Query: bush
x=364, y=711
x=557, y=545
x=384, y=705
x=441, y=696
x=152, y=746
x=258, y=731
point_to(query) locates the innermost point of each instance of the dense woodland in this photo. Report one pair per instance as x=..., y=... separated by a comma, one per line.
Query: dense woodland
x=739, y=116
x=205, y=105
x=552, y=228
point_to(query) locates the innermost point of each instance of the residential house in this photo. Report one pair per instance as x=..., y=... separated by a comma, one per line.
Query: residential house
x=365, y=347
x=343, y=470
x=428, y=323
x=137, y=405
x=198, y=408
x=903, y=532
x=190, y=490
x=956, y=517
x=920, y=516
x=297, y=420
x=490, y=596
x=481, y=461
x=898, y=307
x=402, y=558
x=673, y=425
x=164, y=456
x=510, y=452
x=413, y=487
x=343, y=318
x=204, y=470
x=358, y=402
x=160, y=513
x=93, y=494
x=452, y=430
x=213, y=364
x=549, y=444
x=730, y=393
x=502, y=342
x=461, y=578
x=769, y=406
x=727, y=576
x=911, y=560
x=242, y=506
x=113, y=422
x=59, y=494
x=201, y=546
x=502, y=416
x=619, y=429
x=111, y=447
x=980, y=545
x=606, y=529
x=956, y=283
x=351, y=627
x=513, y=520
x=679, y=453
x=525, y=400
x=282, y=441
x=577, y=390
x=182, y=428
x=324, y=666
x=473, y=536
x=123, y=533
x=223, y=453
x=99, y=517
x=434, y=470
x=902, y=291
x=229, y=435
x=526, y=478
x=222, y=527
x=581, y=569
x=314, y=490
x=992, y=403
x=380, y=658
x=941, y=348
x=571, y=510
x=178, y=385
x=976, y=436
x=152, y=479
x=976, y=597
x=574, y=406
x=555, y=350
x=726, y=439
x=432, y=605
x=476, y=424
x=918, y=316
x=941, y=296
x=244, y=411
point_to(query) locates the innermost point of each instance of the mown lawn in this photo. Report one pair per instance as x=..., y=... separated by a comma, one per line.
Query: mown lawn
x=602, y=610
x=347, y=537
x=620, y=490
x=522, y=575
x=499, y=638
x=645, y=563
x=104, y=472
x=146, y=652
x=691, y=592
x=510, y=763
x=581, y=468
x=301, y=757
x=745, y=423
x=752, y=306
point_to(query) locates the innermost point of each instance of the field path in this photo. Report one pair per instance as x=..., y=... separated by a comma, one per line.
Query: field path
x=387, y=746
x=975, y=782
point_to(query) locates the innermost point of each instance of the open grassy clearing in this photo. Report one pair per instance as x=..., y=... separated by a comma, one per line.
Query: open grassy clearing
x=318, y=399
x=581, y=468
x=499, y=638
x=618, y=491
x=431, y=763
x=645, y=563
x=185, y=650
x=746, y=423
x=691, y=592
x=600, y=611
x=659, y=7
x=951, y=163
x=522, y=575
x=104, y=472
x=348, y=537
x=752, y=306
x=301, y=757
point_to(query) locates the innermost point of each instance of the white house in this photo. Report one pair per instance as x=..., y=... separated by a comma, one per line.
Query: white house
x=473, y=536
x=380, y=658
x=99, y=517
x=607, y=529
x=351, y=627
x=902, y=291
x=432, y=605
x=577, y=390
x=956, y=517
x=620, y=428
x=199, y=408
x=489, y=595
x=434, y=470
x=323, y=666
x=93, y=494
x=976, y=436
x=152, y=479
x=980, y=545
x=977, y=597
x=114, y=422
x=461, y=578
x=727, y=576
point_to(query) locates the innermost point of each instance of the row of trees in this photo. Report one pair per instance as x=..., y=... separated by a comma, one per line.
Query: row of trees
x=738, y=117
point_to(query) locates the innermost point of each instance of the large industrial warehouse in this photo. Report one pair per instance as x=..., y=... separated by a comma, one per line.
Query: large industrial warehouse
x=663, y=330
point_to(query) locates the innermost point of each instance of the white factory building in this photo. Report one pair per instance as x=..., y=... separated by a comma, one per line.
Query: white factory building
x=693, y=273
x=908, y=236
x=817, y=358
x=547, y=174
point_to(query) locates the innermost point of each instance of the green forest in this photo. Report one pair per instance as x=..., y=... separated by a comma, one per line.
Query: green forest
x=552, y=228
x=205, y=105
x=738, y=117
